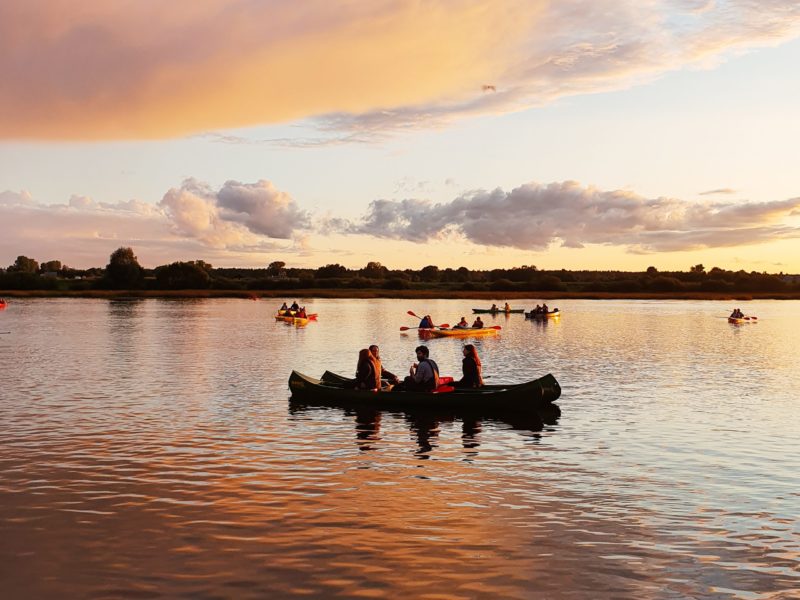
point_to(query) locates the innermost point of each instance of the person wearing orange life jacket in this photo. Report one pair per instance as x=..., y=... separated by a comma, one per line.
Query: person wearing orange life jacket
x=301, y=314
x=388, y=376
x=462, y=324
x=368, y=375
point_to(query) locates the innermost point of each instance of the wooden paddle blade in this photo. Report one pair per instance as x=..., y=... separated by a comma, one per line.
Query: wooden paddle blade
x=495, y=327
x=411, y=312
x=444, y=326
x=405, y=328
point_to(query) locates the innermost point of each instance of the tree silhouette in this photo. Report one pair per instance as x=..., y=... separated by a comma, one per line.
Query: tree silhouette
x=23, y=264
x=123, y=270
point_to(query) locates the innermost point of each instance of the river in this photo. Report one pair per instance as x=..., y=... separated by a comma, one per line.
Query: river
x=148, y=449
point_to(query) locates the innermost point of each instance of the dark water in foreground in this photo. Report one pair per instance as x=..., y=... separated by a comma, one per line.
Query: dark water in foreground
x=148, y=449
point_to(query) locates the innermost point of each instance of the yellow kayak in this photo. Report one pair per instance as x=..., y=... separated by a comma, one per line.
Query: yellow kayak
x=293, y=320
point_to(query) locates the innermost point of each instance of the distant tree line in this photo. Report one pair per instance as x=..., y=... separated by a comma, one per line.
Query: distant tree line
x=123, y=272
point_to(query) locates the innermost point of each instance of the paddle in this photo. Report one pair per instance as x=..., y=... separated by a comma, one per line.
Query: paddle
x=442, y=326
x=411, y=312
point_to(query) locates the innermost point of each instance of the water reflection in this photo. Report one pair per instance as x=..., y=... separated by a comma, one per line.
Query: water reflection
x=146, y=450
x=368, y=427
x=425, y=426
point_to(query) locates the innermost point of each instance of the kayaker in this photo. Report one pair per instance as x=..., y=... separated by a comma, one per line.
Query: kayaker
x=423, y=375
x=545, y=310
x=368, y=375
x=471, y=368
x=295, y=306
x=301, y=314
x=388, y=376
x=284, y=307
x=426, y=322
x=462, y=324
x=478, y=324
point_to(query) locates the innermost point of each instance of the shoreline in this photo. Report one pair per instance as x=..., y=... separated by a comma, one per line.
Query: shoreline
x=395, y=294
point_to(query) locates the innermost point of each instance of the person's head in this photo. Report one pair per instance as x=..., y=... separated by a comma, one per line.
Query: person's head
x=422, y=352
x=375, y=351
x=363, y=354
x=469, y=350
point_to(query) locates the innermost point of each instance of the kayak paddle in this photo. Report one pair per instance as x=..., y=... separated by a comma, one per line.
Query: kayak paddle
x=411, y=312
x=442, y=326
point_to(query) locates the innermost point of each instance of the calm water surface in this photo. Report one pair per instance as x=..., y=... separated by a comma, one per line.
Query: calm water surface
x=149, y=449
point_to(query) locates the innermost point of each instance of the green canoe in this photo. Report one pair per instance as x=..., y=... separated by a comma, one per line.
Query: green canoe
x=526, y=397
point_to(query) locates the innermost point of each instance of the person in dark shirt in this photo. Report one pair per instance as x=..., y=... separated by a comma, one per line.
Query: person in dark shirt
x=471, y=368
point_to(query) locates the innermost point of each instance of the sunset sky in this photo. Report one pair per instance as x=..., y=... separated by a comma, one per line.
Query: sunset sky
x=578, y=134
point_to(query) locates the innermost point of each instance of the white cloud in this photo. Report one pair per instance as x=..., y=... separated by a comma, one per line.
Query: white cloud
x=10, y=198
x=261, y=208
x=718, y=191
x=535, y=216
x=237, y=214
x=192, y=221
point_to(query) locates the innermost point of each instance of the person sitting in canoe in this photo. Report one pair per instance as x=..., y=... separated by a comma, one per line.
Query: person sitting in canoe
x=737, y=314
x=426, y=322
x=301, y=313
x=471, y=368
x=389, y=377
x=368, y=376
x=507, y=307
x=462, y=324
x=423, y=375
x=494, y=308
x=545, y=310
x=478, y=324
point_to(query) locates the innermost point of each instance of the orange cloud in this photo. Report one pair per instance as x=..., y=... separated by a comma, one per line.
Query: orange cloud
x=80, y=69
x=150, y=70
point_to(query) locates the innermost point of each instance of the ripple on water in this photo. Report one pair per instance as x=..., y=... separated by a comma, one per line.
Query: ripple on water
x=147, y=449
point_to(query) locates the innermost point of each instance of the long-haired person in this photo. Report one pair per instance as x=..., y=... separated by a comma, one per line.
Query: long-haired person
x=471, y=368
